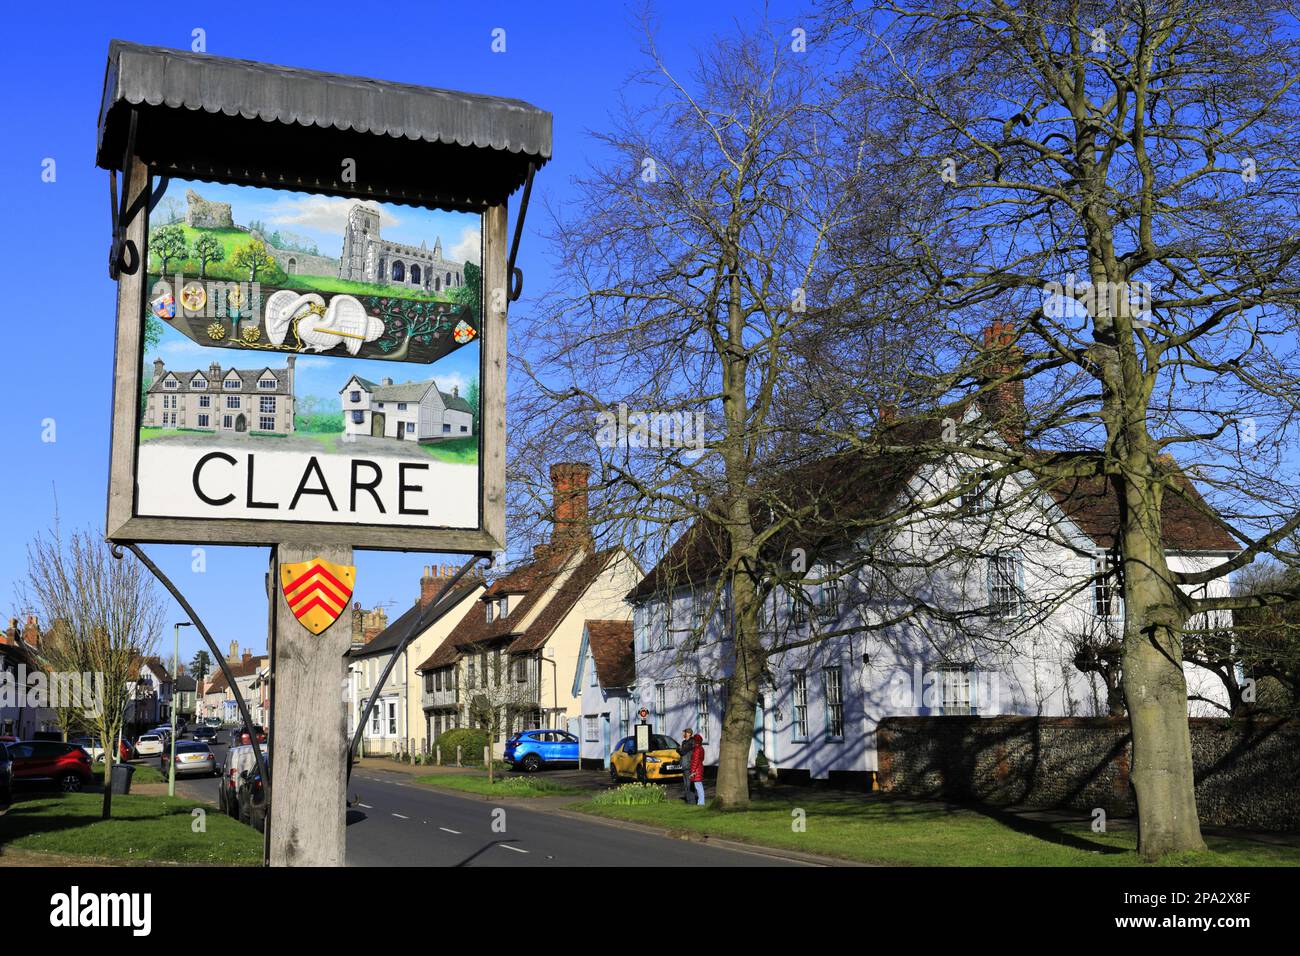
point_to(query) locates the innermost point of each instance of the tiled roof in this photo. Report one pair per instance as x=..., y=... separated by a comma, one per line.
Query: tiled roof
x=610, y=643
x=851, y=487
x=540, y=575
x=410, y=392
x=388, y=639
x=248, y=378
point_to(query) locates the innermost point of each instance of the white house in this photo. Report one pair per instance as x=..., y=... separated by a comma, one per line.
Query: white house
x=409, y=411
x=606, y=670
x=1010, y=596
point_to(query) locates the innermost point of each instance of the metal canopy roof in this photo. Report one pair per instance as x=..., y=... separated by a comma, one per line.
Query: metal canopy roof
x=209, y=117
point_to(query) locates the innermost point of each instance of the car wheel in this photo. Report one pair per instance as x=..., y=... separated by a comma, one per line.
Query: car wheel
x=70, y=783
x=532, y=763
x=613, y=775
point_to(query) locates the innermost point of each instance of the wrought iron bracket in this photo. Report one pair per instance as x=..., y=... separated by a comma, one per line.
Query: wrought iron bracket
x=116, y=550
x=431, y=615
x=515, y=275
x=123, y=256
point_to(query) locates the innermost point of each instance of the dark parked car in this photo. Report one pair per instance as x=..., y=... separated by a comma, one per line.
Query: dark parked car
x=47, y=760
x=532, y=750
x=205, y=735
x=250, y=799
x=238, y=737
x=6, y=777
x=238, y=760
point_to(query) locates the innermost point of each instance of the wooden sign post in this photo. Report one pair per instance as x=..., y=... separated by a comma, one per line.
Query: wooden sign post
x=342, y=385
x=309, y=744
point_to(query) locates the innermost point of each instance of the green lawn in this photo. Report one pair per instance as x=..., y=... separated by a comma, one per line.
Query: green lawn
x=455, y=451
x=142, y=829
x=147, y=773
x=908, y=834
x=329, y=441
x=504, y=786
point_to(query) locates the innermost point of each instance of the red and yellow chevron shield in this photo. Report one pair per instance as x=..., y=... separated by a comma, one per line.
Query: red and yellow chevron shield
x=317, y=591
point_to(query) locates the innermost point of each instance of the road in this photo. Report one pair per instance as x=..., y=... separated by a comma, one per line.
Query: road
x=398, y=823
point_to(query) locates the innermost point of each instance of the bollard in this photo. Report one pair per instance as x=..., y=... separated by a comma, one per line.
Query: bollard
x=458, y=763
x=438, y=750
x=487, y=755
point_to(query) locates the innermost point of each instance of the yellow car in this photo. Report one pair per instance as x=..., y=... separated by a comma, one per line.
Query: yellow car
x=663, y=762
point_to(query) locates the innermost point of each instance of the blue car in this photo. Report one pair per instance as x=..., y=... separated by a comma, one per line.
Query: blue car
x=531, y=750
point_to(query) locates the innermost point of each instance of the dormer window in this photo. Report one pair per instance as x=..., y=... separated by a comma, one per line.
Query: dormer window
x=231, y=383
x=503, y=606
x=198, y=383
x=267, y=383
x=491, y=607
x=171, y=383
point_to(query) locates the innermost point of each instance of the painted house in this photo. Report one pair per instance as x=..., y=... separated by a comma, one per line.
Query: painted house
x=398, y=722
x=1031, y=585
x=221, y=400
x=515, y=651
x=604, y=679
x=408, y=411
x=251, y=675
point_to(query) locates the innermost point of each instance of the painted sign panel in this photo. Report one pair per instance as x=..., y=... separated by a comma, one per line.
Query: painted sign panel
x=309, y=358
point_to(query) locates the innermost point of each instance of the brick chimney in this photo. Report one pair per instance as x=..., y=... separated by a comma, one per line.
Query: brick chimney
x=570, y=527
x=1003, y=404
x=888, y=413
x=31, y=633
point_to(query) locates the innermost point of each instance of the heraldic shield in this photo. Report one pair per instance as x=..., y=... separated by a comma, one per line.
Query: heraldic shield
x=317, y=591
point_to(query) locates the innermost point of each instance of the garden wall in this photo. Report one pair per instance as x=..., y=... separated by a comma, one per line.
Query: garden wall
x=1247, y=772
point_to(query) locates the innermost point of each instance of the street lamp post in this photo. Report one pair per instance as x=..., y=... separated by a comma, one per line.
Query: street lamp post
x=176, y=676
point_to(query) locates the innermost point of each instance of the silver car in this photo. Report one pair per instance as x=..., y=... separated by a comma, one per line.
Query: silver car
x=191, y=758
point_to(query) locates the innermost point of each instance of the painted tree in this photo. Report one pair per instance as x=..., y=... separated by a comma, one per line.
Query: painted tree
x=168, y=243
x=110, y=613
x=208, y=249
x=253, y=258
x=1113, y=184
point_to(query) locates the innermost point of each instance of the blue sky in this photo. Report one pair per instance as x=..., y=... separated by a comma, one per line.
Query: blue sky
x=568, y=58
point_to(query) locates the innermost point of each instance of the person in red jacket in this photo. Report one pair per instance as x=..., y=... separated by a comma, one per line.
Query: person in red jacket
x=697, y=768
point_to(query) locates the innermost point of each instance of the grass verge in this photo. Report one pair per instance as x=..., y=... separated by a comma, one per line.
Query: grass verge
x=142, y=829
x=504, y=786
x=907, y=834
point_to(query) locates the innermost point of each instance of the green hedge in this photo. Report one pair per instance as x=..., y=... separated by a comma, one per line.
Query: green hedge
x=469, y=739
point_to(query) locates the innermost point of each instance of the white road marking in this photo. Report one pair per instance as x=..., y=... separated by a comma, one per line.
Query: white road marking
x=400, y=817
x=445, y=830
x=366, y=806
x=507, y=846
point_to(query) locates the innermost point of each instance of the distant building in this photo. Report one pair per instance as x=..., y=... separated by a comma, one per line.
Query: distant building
x=367, y=257
x=229, y=400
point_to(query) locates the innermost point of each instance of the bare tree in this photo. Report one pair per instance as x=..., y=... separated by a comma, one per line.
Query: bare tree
x=1114, y=185
x=494, y=702
x=685, y=324
x=108, y=612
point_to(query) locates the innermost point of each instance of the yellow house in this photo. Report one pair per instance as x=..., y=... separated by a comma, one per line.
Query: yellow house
x=508, y=664
x=397, y=723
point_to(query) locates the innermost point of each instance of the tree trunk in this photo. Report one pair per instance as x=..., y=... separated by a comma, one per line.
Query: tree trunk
x=1155, y=688
x=738, y=721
